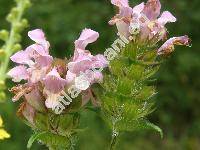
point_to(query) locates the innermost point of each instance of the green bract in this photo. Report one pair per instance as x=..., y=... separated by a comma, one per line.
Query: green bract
x=127, y=95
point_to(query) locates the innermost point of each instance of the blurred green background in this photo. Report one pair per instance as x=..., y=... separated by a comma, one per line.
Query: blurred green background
x=178, y=99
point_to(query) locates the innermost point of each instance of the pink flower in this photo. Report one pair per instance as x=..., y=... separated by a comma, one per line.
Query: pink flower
x=152, y=9
x=142, y=20
x=166, y=17
x=53, y=82
x=53, y=86
x=168, y=46
x=80, y=68
x=83, y=60
x=38, y=36
x=122, y=20
x=87, y=36
x=52, y=99
x=36, y=58
x=19, y=73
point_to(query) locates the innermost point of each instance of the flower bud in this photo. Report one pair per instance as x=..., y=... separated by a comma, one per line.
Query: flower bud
x=2, y=54
x=2, y=96
x=4, y=35
x=16, y=47
x=2, y=85
x=12, y=15
x=25, y=23
x=27, y=4
x=17, y=38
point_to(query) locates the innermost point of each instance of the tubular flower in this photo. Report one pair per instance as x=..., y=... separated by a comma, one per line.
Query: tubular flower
x=168, y=46
x=82, y=69
x=53, y=86
x=142, y=20
x=83, y=61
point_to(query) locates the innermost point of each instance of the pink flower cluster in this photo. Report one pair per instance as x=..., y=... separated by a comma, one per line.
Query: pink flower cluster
x=45, y=79
x=151, y=25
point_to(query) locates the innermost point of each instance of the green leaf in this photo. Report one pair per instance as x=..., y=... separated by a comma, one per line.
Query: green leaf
x=34, y=137
x=41, y=121
x=50, y=140
x=156, y=128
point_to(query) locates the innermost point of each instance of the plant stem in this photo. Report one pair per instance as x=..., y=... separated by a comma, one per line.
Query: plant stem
x=113, y=142
x=11, y=40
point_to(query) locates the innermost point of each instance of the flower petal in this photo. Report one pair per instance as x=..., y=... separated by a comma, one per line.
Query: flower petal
x=52, y=99
x=53, y=82
x=21, y=57
x=35, y=99
x=37, y=74
x=29, y=113
x=124, y=9
x=18, y=73
x=138, y=8
x=99, y=61
x=41, y=57
x=87, y=36
x=166, y=17
x=38, y=36
x=152, y=9
x=79, y=66
x=123, y=28
x=81, y=61
x=70, y=77
x=168, y=46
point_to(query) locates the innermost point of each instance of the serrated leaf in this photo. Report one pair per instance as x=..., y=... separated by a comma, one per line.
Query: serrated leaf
x=136, y=72
x=149, y=55
x=130, y=51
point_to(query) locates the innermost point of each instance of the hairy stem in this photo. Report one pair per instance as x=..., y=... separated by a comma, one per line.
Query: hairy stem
x=115, y=135
x=12, y=40
x=113, y=142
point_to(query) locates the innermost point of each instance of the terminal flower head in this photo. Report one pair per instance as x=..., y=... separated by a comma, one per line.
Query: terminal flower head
x=144, y=18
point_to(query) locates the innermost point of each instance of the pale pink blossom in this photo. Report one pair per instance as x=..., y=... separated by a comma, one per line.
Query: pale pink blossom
x=83, y=60
x=19, y=73
x=36, y=58
x=168, y=46
x=143, y=20
x=53, y=82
